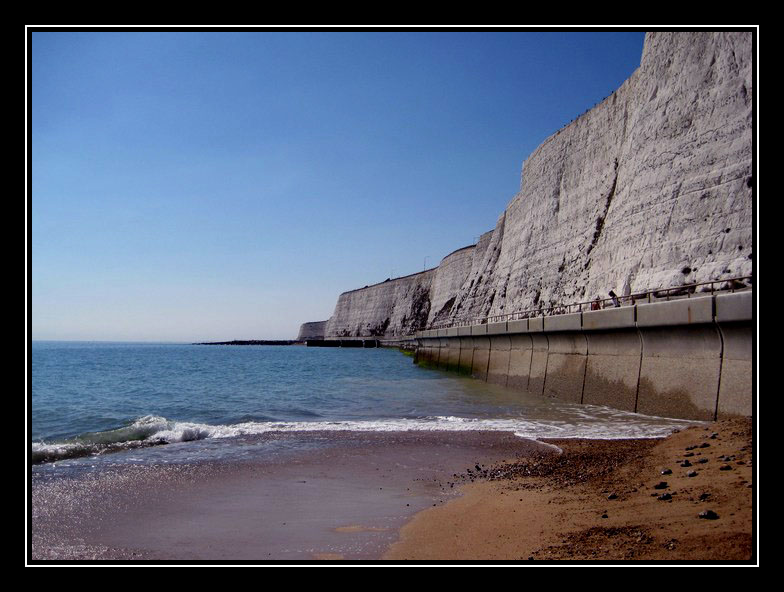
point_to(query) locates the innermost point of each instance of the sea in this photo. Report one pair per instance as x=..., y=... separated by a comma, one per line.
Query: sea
x=129, y=400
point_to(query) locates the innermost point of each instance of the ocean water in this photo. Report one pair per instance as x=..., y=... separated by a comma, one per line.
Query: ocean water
x=125, y=401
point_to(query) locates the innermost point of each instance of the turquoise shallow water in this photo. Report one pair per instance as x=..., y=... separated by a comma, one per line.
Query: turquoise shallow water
x=93, y=398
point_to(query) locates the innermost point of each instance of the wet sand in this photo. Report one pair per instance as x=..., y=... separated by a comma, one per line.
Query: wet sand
x=343, y=498
x=599, y=501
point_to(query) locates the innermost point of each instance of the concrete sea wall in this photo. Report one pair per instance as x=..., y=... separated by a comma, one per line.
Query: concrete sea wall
x=689, y=358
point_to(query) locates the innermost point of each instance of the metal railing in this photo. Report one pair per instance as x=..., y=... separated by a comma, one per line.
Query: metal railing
x=659, y=294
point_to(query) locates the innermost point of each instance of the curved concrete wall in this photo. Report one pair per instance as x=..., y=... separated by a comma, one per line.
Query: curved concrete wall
x=450, y=354
x=737, y=368
x=612, y=370
x=566, y=358
x=426, y=354
x=690, y=358
x=481, y=358
x=679, y=373
x=735, y=391
x=498, y=359
x=465, y=356
x=521, y=352
x=538, y=371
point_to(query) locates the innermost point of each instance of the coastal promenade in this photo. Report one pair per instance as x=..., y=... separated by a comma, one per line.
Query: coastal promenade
x=685, y=356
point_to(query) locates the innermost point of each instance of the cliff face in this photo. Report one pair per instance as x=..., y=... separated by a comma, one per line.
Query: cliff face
x=651, y=188
x=451, y=274
x=393, y=307
x=312, y=330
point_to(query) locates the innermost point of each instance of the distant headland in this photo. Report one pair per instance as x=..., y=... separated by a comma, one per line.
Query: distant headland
x=253, y=342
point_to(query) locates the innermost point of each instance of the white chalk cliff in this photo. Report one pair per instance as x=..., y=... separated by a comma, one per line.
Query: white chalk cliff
x=651, y=188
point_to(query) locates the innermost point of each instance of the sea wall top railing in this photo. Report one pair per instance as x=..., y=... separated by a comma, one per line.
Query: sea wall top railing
x=660, y=294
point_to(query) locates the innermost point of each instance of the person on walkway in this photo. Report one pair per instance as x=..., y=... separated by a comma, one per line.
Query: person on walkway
x=615, y=301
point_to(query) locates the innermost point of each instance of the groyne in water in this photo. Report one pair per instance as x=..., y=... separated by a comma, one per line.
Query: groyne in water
x=689, y=358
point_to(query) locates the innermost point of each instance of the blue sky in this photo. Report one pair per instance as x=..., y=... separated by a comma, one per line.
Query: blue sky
x=210, y=186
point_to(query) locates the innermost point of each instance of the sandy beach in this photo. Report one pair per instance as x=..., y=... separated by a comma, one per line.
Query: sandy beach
x=688, y=497
x=418, y=496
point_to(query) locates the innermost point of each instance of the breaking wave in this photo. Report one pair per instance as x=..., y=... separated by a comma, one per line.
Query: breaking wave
x=151, y=430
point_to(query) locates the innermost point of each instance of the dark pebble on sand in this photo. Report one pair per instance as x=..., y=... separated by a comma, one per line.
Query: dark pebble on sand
x=604, y=516
x=612, y=496
x=685, y=463
x=660, y=485
x=666, y=472
x=725, y=468
x=704, y=496
x=692, y=474
x=708, y=515
x=702, y=461
x=704, y=445
x=664, y=497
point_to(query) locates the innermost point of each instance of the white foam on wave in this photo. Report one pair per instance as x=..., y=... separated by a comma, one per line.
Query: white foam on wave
x=586, y=422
